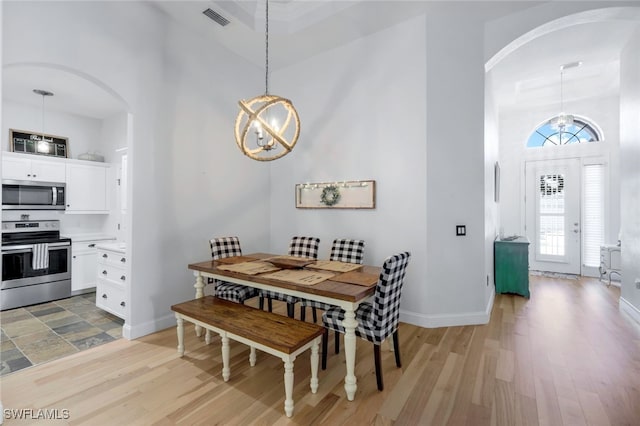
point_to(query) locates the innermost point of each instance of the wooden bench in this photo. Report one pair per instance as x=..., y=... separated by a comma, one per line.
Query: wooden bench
x=275, y=334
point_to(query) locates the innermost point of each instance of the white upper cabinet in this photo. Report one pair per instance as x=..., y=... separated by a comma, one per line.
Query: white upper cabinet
x=20, y=167
x=87, y=188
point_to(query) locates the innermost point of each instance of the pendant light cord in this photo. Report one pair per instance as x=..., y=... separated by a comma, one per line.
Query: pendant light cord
x=266, y=48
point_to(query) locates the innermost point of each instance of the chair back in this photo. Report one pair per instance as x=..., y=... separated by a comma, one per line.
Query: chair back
x=386, y=304
x=304, y=247
x=225, y=247
x=346, y=250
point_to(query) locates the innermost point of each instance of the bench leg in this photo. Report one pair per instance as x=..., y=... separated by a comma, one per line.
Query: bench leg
x=252, y=357
x=314, y=366
x=288, y=385
x=226, y=371
x=180, y=329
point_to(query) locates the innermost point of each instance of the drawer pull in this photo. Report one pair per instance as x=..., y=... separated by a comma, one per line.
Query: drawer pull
x=91, y=245
x=122, y=304
x=105, y=255
x=104, y=272
x=123, y=260
x=104, y=295
x=123, y=278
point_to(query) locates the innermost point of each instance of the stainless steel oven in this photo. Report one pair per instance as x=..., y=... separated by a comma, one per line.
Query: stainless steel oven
x=36, y=263
x=27, y=195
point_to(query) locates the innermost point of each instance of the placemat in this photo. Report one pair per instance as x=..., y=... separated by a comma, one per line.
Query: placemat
x=236, y=259
x=297, y=276
x=358, y=278
x=249, y=268
x=332, y=265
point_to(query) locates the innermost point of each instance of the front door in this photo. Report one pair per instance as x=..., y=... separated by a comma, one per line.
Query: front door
x=553, y=215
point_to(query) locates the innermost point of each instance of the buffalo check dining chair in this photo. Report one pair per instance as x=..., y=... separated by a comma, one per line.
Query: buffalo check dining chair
x=223, y=247
x=379, y=319
x=298, y=247
x=342, y=250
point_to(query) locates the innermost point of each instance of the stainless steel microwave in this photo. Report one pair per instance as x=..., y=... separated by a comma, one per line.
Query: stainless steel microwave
x=28, y=195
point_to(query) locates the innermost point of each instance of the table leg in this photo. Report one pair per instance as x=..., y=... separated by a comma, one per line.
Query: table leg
x=349, y=323
x=252, y=356
x=180, y=329
x=199, y=285
x=226, y=370
x=288, y=386
x=314, y=366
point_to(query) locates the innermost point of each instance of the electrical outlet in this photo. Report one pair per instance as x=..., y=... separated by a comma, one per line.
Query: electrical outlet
x=461, y=230
x=638, y=283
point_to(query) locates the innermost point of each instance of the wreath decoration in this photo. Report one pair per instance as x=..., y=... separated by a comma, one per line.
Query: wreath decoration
x=330, y=195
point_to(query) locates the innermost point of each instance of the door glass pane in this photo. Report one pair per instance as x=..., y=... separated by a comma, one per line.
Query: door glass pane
x=551, y=212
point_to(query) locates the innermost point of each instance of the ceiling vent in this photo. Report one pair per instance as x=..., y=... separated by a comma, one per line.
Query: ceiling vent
x=216, y=17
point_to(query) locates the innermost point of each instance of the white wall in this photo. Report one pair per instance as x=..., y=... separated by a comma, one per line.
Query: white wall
x=188, y=180
x=492, y=207
x=630, y=175
x=362, y=114
x=456, y=194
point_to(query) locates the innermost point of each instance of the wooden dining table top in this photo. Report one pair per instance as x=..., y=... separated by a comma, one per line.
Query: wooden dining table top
x=331, y=288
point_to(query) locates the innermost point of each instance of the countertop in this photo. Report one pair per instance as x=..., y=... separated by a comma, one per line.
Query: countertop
x=88, y=237
x=118, y=247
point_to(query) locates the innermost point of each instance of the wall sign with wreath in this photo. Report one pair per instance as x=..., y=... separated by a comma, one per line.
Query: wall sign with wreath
x=354, y=194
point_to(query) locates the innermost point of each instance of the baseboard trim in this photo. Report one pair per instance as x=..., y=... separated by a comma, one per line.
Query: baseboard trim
x=626, y=307
x=449, y=320
x=134, y=331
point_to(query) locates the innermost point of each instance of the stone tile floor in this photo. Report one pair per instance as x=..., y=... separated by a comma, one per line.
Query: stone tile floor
x=40, y=333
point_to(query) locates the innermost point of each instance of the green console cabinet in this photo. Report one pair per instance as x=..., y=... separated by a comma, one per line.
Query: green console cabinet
x=511, y=265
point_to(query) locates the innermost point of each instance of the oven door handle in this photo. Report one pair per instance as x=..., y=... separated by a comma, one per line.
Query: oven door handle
x=29, y=247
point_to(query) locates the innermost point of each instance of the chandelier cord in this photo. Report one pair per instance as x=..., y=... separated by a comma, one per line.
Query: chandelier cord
x=266, y=49
x=561, y=91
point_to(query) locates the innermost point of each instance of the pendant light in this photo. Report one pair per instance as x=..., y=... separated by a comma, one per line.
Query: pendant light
x=562, y=120
x=43, y=145
x=267, y=126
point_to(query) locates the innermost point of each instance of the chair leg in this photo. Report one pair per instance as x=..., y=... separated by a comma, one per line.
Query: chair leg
x=325, y=344
x=291, y=310
x=315, y=315
x=396, y=349
x=270, y=304
x=376, y=355
x=261, y=303
x=337, y=342
x=303, y=313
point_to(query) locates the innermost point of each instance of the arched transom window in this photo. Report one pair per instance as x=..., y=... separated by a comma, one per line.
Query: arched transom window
x=548, y=135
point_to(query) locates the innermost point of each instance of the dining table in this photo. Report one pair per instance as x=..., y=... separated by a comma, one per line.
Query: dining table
x=337, y=283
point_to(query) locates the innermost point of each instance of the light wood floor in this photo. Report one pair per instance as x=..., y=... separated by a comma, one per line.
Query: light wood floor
x=565, y=357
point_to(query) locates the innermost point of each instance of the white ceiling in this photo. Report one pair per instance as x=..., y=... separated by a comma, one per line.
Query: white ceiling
x=299, y=29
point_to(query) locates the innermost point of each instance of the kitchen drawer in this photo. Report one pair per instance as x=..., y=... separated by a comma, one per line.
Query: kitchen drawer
x=112, y=258
x=112, y=273
x=111, y=297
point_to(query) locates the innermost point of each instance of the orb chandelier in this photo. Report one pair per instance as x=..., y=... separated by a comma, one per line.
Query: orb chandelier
x=267, y=126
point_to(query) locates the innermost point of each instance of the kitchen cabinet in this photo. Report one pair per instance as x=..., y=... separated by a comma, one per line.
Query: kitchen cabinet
x=112, y=283
x=511, y=265
x=21, y=167
x=84, y=263
x=86, y=188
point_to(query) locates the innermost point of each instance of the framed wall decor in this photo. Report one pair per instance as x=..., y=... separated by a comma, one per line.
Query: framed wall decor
x=27, y=142
x=353, y=194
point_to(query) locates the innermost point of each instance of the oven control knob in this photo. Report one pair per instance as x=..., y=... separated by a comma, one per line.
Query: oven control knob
x=104, y=295
x=122, y=304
